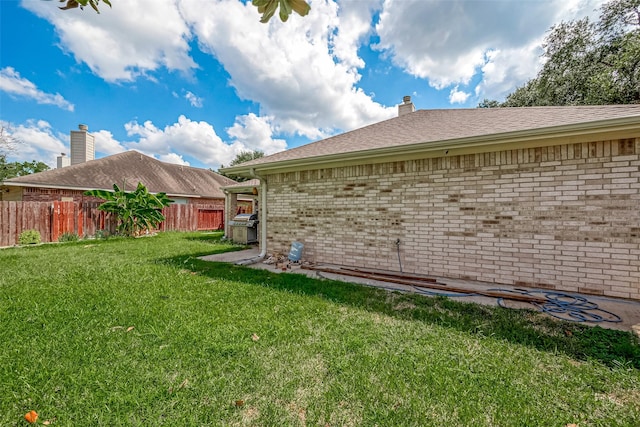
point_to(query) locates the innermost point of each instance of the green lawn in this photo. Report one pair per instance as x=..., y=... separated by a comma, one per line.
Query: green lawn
x=140, y=332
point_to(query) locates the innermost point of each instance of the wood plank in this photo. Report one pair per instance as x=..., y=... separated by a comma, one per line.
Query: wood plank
x=437, y=286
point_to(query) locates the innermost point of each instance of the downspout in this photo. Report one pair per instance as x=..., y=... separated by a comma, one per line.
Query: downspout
x=227, y=207
x=263, y=221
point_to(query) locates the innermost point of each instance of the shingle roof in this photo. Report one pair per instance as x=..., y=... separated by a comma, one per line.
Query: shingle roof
x=424, y=126
x=244, y=184
x=133, y=167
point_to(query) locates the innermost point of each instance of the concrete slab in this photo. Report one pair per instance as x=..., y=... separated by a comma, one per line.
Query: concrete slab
x=611, y=313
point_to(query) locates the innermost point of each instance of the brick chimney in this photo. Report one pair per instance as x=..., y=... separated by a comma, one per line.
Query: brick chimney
x=406, y=107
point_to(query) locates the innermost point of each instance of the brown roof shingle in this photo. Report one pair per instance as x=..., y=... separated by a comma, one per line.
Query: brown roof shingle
x=424, y=126
x=131, y=167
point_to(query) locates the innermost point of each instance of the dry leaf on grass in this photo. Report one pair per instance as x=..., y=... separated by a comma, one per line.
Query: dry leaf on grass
x=239, y=403
x=182, y=385
x=255, y=337
x=130, y=328
x=31, y=417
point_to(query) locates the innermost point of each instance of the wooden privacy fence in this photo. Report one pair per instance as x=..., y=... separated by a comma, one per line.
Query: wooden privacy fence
x=53, y=219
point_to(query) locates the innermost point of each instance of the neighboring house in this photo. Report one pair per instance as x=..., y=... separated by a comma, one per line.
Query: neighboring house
x=183, y=184
x=547, y=197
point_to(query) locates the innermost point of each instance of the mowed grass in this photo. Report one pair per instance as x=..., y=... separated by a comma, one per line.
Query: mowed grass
x=140, y=332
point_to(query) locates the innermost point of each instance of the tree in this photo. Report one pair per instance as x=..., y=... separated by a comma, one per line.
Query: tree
x=589, y=63
x=488, y=103
x=72, y=4
x=266, y=7
x=14, y=169
x=241, y=157
x=137, y=211
x=7, y=142
x=8, y=145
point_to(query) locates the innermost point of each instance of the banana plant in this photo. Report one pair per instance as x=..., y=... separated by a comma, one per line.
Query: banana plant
x=137, y=211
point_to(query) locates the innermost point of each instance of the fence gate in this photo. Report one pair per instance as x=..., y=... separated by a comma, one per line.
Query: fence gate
x=210, y=219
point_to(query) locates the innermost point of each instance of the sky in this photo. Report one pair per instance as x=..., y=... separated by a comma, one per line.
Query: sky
x=195, y=82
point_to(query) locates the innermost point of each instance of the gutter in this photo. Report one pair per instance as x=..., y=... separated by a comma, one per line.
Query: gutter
x=263, y=221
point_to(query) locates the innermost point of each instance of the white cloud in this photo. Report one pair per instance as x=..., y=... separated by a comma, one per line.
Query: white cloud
x=185, y=138
x=106, y=143
x=194, y=100
x=37, y=141
x=504, y=70
x=458, y=96
x=354, y=25
x=122, y=43
x=12, y=83
x=176, y=143
x=289, y=69
x=450, y=42
x=173, y=158
x=255, y=133
x=303, y=73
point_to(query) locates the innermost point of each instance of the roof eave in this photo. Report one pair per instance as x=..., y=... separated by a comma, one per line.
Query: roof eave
x=446, y=147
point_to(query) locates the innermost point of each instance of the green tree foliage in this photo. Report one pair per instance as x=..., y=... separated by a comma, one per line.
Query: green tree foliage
x=13, y=169
x=241, y=157
x=8, y=145
x=589, y=62
x=489, y=103
x=137, y=211
x=267, y=8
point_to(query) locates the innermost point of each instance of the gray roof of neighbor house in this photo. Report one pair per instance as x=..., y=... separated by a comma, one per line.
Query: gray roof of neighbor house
x=130, y=167
x=425, y=129
x=244, y=184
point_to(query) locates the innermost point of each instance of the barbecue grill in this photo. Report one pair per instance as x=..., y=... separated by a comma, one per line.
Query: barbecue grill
x=244, y=228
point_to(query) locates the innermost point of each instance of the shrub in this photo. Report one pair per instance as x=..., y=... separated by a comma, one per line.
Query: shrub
x=29, y=237
x=68, y=237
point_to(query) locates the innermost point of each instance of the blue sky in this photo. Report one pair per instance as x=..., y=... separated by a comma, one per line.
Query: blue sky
x=197, y=81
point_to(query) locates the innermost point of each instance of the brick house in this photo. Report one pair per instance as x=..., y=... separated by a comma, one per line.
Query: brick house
x=547, y=197
x=183, y=184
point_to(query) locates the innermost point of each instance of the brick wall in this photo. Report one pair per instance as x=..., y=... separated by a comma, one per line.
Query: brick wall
x=564, y=217
x=52, y=194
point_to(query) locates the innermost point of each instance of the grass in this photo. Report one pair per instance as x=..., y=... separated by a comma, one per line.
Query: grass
x=141, y=332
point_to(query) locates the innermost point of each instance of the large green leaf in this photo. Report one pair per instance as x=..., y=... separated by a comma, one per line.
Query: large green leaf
x=137, y=211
